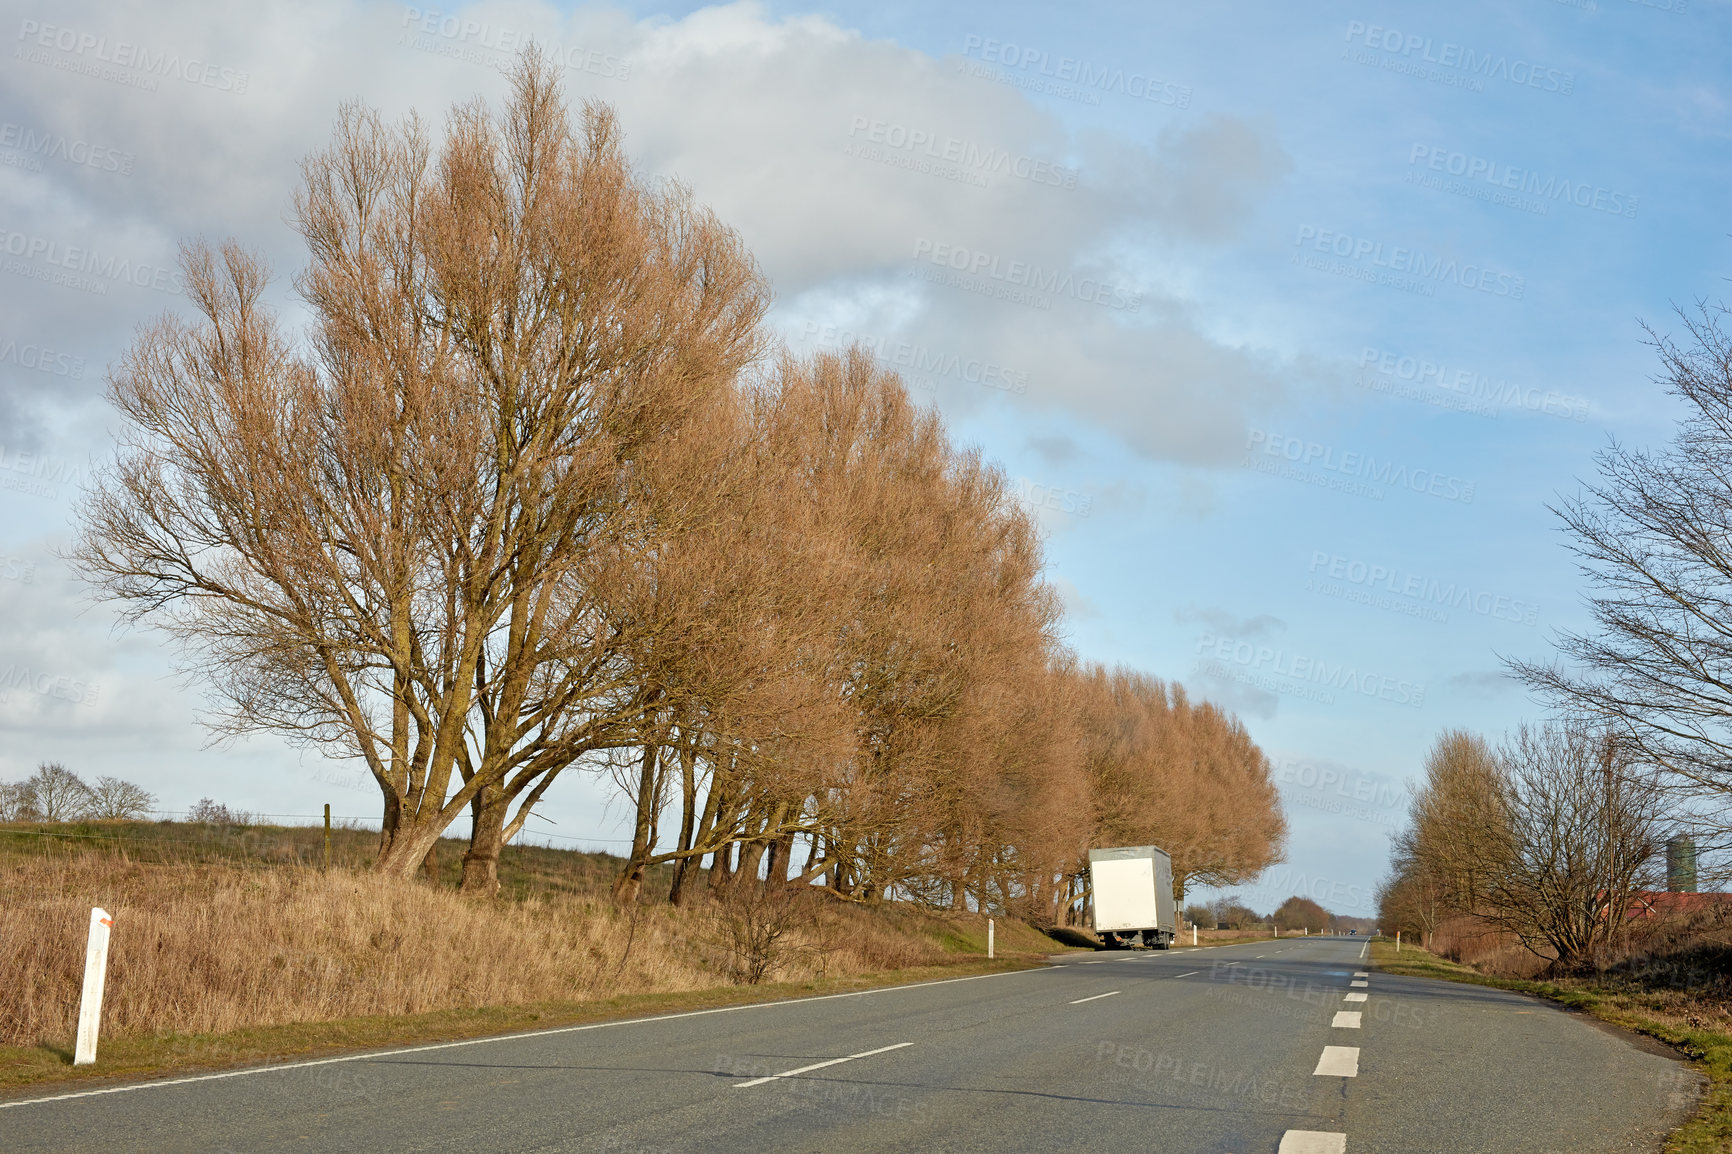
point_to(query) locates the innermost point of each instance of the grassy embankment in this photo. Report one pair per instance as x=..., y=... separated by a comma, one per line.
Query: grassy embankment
x=231, y=946
x=1698, y=1027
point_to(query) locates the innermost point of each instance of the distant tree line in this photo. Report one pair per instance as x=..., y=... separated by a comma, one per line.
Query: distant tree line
x=537, y=496
x=55, y=793
x=1296, y=914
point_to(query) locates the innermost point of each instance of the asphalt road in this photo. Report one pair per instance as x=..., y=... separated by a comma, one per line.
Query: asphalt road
x=1231, y=1050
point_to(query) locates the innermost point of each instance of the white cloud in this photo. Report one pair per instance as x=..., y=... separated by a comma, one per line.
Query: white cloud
x=766, y=119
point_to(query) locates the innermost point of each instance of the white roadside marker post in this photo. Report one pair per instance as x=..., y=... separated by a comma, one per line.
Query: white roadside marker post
x=989, y=942
x=90, y=1004
x=1398, y=941
x=1193, y=933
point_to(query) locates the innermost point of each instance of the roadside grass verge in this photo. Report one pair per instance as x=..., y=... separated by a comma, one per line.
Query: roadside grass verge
x=168, y=1053
x=1665, y=1015
x=227, y=952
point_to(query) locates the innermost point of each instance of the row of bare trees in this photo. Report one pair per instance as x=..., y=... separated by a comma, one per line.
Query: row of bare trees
x=535, y=496
x=1545, y=838
x=54, y=793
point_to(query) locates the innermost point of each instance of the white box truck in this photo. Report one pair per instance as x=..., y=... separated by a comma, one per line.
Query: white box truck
x=1133, y=896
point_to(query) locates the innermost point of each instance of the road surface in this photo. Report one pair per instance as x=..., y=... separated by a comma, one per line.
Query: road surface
x=1296, y=1046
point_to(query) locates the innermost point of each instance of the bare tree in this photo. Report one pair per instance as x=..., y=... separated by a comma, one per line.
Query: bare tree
x=1235, y=915
x=15, y=802
x=1546, y=839
x=1411, y=897
x=760, y=930
x=1585, y=825
x=115, y=800
x=208, y=811
x=385, y=546
x=1653, y=539
x=1460, y=821
x=55, y=793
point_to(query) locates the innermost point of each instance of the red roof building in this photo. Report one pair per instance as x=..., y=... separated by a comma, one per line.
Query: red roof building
x=1663, y=903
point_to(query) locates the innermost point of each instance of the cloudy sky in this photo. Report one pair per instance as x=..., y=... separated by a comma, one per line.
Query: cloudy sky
x=1290, y=319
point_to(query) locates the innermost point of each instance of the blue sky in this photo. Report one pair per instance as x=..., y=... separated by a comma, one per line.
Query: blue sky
x=1289, y=319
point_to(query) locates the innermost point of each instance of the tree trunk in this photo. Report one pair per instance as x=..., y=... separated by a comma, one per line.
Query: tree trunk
x=721, y=868
x=629, y=883
x=486, y=838
x=688, y=819
x=390, y=822
x=781, y=854
x=723, y=804
x=407, y=851
x=751, y=857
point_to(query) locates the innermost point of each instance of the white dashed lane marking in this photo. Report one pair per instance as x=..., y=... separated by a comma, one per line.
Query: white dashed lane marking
x=820, y=1065
x=1096, y=997
x=1355, y=998
x=1338, y=1062
x=1361, y=974
x=1312, y=1142
x=1360, y=985
x=1346, y=1020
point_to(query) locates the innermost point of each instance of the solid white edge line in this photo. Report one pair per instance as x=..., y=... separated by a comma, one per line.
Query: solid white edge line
x=820, y=1065
x=1312, y=1142
x=495, y=1038
x=1096, y=997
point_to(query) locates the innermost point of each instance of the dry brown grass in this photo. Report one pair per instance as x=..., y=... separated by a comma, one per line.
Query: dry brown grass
x=1472, y=943
x=215, y=947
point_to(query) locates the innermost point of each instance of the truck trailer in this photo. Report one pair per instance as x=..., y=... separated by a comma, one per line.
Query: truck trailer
x=1133, y=896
